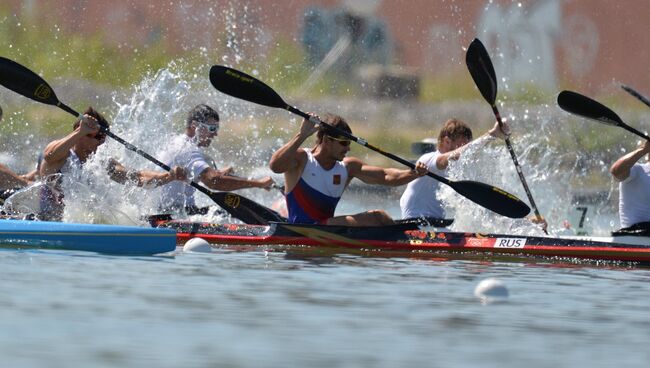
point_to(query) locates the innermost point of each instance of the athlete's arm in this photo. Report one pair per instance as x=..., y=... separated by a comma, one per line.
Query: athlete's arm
x=383, y=176
x=621, y=168
x=222, y=180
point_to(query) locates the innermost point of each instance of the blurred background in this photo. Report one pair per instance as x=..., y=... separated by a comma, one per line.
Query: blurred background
x=546, y=43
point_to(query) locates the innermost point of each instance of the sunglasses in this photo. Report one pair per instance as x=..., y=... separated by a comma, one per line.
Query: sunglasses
x=212, y=128
x=343, y=142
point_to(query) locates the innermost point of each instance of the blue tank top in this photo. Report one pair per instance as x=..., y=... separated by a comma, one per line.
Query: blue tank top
x=314, y=198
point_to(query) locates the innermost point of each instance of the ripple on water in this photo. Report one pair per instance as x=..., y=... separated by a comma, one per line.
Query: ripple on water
x=284, y=309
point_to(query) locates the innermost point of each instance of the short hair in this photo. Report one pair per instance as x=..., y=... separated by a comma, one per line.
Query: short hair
x=95, y=114
x=335, y=121
x=201, y=113
x=454, y=129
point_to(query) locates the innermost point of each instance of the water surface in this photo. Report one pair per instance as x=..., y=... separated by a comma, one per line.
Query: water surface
x=284, y=309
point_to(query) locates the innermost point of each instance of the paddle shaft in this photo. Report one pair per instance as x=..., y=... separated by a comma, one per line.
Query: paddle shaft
x=517, y=166
x=133, y=148
x=636, y=94
x=641, y=98
x=632, y=130
x=482, y=71
x=364, y=143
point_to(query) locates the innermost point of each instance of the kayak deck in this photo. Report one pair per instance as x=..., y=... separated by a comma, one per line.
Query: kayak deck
x=409, y=238
x=108, y=239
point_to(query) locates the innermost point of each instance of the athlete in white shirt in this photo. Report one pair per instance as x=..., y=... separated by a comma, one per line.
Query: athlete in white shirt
x=419, y=198
x=634, y=186
x=201, y=126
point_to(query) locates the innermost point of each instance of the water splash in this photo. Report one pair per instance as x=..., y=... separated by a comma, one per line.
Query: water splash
x=148, y=117
x=553, y=172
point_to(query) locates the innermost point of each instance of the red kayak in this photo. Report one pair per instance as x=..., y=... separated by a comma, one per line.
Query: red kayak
x=409, y=238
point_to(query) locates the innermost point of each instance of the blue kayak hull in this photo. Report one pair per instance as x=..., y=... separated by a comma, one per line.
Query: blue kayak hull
x=109, y=239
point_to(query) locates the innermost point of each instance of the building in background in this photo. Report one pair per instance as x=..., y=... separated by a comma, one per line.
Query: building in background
x=589, y=45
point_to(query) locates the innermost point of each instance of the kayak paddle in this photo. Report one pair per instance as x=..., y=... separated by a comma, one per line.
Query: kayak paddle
x=584, y=106
x=241, y=85
x=27, y=83
x=636, y=94
x=480, y=67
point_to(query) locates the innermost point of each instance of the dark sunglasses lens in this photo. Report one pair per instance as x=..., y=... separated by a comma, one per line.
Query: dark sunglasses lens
x=212, y=128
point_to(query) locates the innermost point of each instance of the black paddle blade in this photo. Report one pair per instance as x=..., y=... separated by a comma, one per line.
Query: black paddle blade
x=245, y=209
x=25, y=82
x=241, y=85
x=584, y=106
x=492, y=198
x=482, y=71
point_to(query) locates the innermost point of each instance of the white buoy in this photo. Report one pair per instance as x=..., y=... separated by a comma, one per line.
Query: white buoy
x=490, y=290
x=197, y=245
